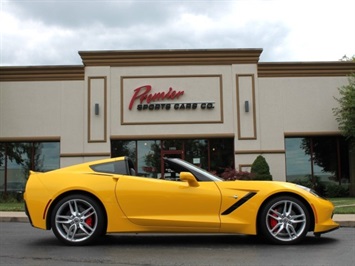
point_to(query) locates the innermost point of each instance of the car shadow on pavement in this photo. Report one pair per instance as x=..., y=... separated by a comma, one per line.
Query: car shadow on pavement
x=183, y=241
x=198, y=240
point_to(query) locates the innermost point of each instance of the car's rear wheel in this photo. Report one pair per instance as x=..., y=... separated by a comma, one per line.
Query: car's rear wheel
x=284, y=220
x=77, y=220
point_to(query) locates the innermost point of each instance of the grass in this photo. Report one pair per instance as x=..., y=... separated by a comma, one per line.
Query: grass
x=342, y=205
x=11, y=202
x=12, y=206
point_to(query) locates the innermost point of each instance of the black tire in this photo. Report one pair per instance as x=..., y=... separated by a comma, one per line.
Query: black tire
x=284, y=220
x=78, y=220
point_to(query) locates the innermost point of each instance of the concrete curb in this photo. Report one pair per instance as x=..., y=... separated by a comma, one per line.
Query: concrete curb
x=345, y=220
x=19, y=217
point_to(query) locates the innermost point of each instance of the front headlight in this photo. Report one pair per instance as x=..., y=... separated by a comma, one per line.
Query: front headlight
x=309, y=190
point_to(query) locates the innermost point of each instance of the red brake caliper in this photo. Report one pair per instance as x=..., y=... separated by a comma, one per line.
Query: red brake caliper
x=89, y=221
x=272, y=221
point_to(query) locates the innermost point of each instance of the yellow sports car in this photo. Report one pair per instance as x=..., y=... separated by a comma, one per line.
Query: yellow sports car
x=84, y=202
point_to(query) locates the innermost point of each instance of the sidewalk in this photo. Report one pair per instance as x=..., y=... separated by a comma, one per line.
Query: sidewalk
x=345, y=220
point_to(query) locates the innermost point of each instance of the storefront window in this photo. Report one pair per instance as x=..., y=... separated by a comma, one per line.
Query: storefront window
x=172, y=144
x=18, y=158
x=325, y=163
x=149, y=162
x=322, y=162
x=17, y=170
x=2, y=166
x=210, y=154
x=48, y=156
x=196, y=152
x=124, y=148
x=220, y=151
x=298, y=163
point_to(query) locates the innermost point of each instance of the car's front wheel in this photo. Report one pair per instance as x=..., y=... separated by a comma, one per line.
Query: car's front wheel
x=77, y=220
x=284, y=220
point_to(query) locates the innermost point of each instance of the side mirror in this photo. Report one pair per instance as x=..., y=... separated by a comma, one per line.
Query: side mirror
x=189, y=178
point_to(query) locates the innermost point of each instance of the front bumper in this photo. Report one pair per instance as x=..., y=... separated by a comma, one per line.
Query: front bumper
x=324, y=213
x=326, y=226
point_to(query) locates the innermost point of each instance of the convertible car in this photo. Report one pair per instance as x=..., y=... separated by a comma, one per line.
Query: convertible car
x=82, y=203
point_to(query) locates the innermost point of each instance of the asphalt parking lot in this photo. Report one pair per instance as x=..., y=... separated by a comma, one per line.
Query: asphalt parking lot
x=21, y=244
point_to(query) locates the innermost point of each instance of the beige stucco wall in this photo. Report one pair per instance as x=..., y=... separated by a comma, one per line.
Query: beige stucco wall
x=64, y=110
x=298, y=104
x=43, y=110
x=294, y=106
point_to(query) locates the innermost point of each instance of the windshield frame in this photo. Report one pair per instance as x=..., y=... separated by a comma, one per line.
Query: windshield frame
x=199, y=173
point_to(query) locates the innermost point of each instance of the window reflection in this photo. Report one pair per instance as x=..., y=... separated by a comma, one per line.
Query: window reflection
x=196, y=152
x=2, y=166
x=298, y=164
x=172, y=144
x=222, y=154
x=317, y=159
x=17, y=169
x=325, y=163
x=210, y=154
x=149, y=162
x=48, y=156
x=18, y=158
x=124, y=148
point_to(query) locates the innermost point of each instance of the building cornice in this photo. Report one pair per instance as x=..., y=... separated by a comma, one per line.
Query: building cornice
x=305, y=69
x=170, y=57
x=176, y=58
x=41, y=73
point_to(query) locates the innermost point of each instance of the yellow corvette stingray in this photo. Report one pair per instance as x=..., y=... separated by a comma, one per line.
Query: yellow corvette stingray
x=83, y=202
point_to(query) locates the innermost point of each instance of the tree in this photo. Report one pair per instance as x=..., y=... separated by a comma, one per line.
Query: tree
x=345, y=112
x=260, y=169
x=13, y=152
x=346, y=58
x=345, y=116
x=152, y=160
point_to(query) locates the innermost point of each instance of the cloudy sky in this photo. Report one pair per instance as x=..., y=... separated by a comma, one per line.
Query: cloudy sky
x=51, y=32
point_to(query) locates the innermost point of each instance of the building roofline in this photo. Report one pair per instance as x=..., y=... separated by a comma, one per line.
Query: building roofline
x=171, y=57
x=305, y=69
x=41, y=73
x=122, y=58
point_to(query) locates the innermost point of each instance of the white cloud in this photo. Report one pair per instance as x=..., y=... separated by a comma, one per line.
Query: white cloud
x=41, y=32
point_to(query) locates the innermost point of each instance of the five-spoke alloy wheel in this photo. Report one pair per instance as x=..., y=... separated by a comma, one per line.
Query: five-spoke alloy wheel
x=284, y=220
x=77, y=220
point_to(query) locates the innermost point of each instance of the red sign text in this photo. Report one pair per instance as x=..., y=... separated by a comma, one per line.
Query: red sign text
x=143, y=95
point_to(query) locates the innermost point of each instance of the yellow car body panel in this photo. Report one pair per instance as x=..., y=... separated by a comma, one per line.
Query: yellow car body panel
x=139, y=204
x=169, y=204
x=245, y=218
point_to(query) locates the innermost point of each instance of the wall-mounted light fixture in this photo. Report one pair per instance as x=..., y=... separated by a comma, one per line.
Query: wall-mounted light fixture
x=246, y=106
x=97, y=109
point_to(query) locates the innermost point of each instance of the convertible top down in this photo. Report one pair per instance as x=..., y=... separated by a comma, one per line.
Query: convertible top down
x=81, y=203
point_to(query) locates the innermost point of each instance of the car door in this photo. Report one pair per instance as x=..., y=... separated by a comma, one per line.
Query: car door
x=169, y=204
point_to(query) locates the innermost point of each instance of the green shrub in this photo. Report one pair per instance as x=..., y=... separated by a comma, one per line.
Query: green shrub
x=11, y=197
x=311, y=183
x=260, y=169
x=328, y=190
x=336, y=191
x=303, y=182
x=230, y=174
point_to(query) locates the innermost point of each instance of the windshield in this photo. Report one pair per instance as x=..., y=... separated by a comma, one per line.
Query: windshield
x=199, y=173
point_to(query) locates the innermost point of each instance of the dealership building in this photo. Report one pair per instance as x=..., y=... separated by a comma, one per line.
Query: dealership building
x=216, y=108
